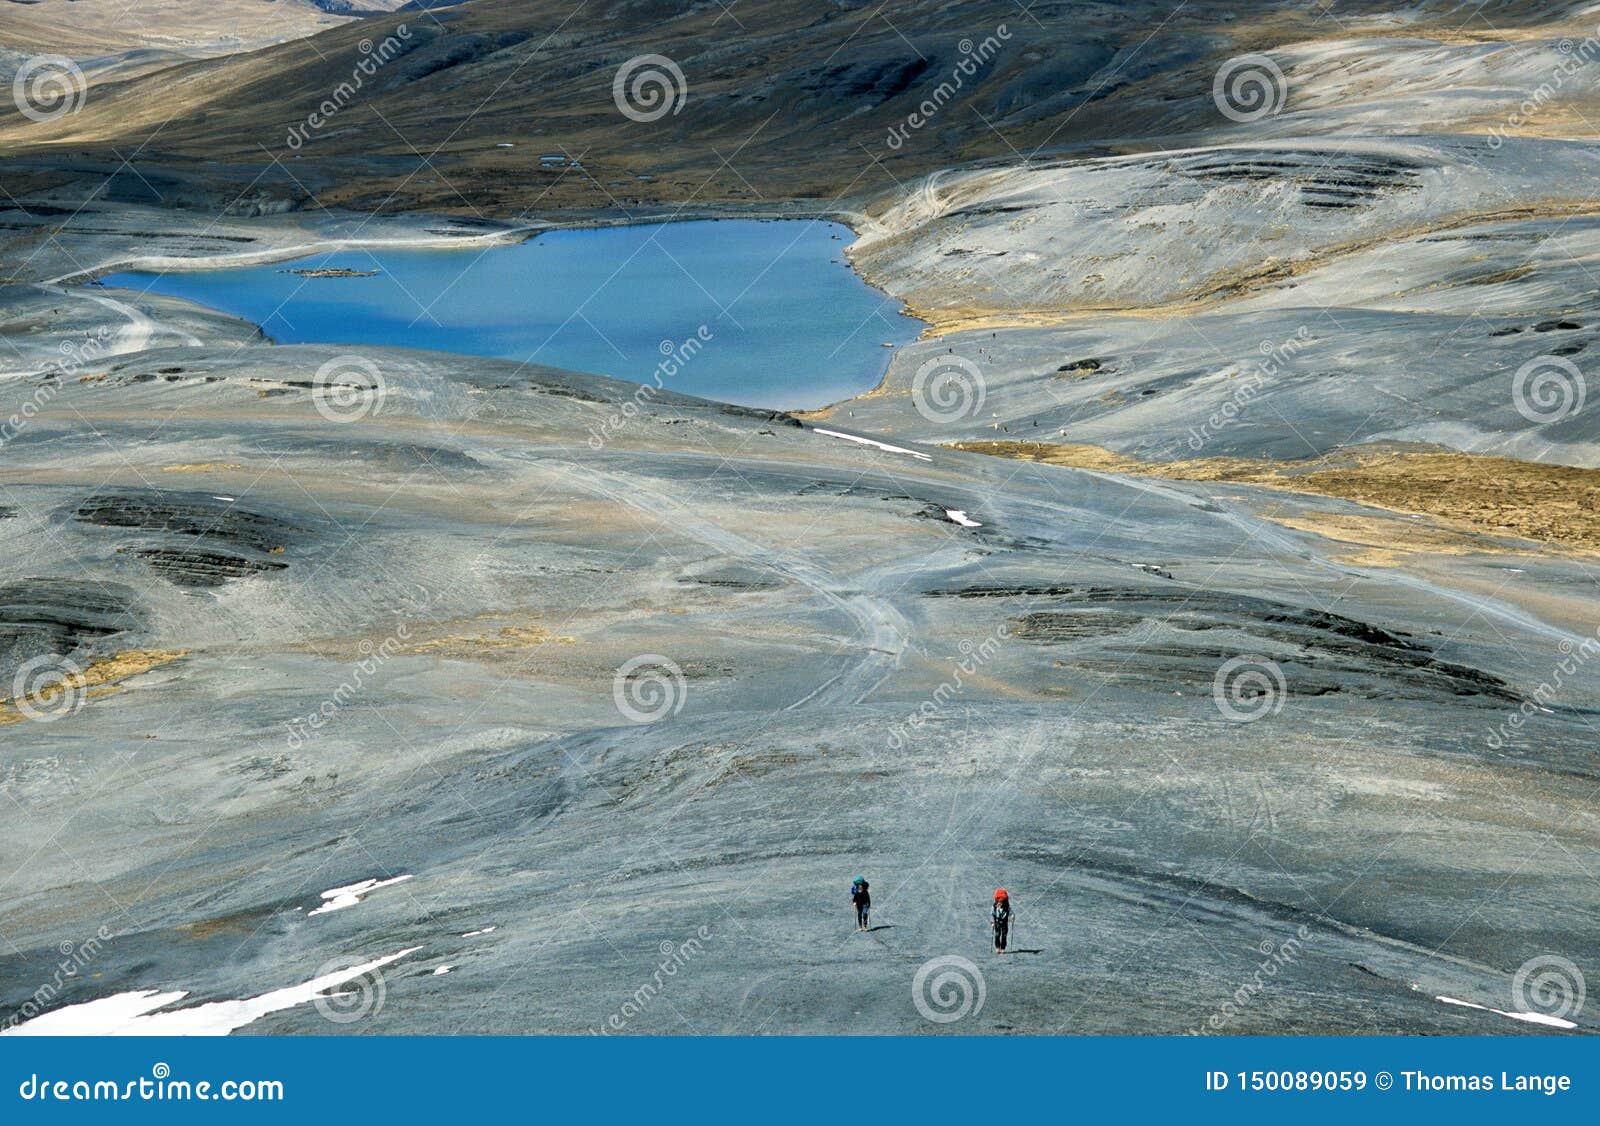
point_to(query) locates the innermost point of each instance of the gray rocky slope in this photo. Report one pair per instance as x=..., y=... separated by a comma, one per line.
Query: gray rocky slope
x=417, y=643
x=568, y=688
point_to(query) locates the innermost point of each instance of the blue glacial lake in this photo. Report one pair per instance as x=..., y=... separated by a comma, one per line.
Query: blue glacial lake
x=790, y=324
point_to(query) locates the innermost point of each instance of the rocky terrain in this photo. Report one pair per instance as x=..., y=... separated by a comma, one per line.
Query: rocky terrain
x=1217, y=574
x=392, y=647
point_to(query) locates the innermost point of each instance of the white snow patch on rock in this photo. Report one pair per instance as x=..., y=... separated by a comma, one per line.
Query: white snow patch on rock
x=337, y=899
x=134, y=1014
x=884, y=446
x=1531, y=1018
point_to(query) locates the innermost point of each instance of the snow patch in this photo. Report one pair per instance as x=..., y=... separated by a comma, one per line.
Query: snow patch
x=475, y=934
x=959, y=516
x=884, y=446
x=337, y=899
x=134, y=1014
x=1531, y=1018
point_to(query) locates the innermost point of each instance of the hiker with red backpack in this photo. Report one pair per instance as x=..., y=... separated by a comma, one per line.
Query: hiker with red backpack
x=1001, y=917
x=862, y=901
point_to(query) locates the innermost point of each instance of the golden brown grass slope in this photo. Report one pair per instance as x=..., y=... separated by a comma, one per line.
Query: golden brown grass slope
x=79, y=28
x=1557, y=505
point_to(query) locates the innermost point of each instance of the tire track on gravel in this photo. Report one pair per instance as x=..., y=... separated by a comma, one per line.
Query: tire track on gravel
x=882, y=632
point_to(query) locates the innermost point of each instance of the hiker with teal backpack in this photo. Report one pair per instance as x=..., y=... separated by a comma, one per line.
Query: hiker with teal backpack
x=862, y=901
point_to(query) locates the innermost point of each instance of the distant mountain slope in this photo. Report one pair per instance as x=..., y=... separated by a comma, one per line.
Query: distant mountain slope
x=372, y=7
x=82, y=27
x=779, y=98
x=116, y=38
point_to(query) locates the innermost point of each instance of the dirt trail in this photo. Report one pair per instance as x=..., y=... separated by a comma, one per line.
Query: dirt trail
x=138, y=333
x=882, y=631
